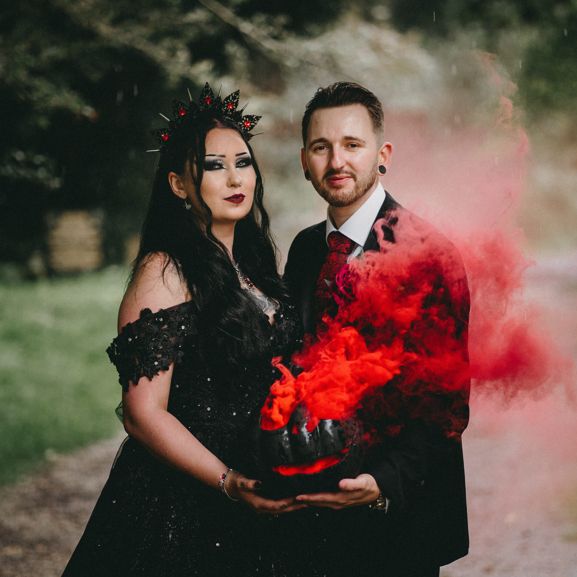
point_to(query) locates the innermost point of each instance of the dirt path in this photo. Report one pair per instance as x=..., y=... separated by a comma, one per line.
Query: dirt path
x=522, y=492
x=42, y=517
x=521, y=463
x=521, y=474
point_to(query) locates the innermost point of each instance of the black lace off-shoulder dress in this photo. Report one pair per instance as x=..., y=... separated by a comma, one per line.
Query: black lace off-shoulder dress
x=154, y=520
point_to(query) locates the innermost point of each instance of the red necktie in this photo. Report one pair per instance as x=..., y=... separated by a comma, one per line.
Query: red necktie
x=339, y=248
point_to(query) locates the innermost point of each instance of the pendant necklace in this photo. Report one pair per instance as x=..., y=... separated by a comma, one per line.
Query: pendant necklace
x=268, y=305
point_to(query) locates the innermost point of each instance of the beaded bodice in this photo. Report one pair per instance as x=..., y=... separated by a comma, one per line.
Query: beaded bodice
x=217, y=405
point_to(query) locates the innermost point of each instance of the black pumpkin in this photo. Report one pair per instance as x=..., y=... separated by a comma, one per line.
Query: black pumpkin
x=293, y=447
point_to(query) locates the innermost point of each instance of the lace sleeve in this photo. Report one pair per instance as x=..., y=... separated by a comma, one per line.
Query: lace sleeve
x=151, y=343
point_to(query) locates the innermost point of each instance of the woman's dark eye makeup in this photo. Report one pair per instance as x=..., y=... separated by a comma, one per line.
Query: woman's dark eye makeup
x=213, y=164
x=217, y=164
x=244, y=161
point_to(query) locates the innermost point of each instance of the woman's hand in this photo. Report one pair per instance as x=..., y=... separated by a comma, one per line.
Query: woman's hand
x=240, y=487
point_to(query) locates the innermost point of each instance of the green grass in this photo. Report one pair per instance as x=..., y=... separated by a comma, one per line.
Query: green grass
x=58, y=390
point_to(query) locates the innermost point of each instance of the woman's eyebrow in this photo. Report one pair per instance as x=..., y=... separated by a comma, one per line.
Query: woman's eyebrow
x=224, y=156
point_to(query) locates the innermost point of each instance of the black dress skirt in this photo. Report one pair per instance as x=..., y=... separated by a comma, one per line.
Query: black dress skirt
x=154, y=520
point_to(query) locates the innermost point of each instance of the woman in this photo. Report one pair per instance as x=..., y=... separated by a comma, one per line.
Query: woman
x=202, y=317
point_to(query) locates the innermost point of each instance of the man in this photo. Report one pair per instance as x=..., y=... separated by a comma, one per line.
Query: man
x=405, y=515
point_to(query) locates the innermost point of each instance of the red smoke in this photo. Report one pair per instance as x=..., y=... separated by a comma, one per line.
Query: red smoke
x=468, y=180
x=310, y=468
x=396, y=349
x=339, y=370
x=511, y=352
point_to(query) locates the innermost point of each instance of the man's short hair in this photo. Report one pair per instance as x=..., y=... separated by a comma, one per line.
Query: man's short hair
x=344, y=94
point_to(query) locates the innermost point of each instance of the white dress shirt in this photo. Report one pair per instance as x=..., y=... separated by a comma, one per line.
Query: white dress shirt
x=358, y=226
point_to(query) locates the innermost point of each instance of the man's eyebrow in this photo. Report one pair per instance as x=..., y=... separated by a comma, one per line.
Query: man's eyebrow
x=324, y=140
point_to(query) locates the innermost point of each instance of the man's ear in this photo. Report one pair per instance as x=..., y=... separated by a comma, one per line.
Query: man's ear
x=176, y=183
x=385, y=154
x=304, y=164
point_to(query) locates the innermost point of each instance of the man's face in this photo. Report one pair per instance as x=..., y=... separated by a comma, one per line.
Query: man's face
x=342, y=154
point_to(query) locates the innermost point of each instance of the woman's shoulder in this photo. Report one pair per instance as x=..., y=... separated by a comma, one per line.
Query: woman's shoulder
x=155, y=317
x=153, y=341
x=156, y=286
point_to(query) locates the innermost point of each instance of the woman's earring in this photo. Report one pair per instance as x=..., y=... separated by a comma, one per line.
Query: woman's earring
x=187, y=204
x=382, y=169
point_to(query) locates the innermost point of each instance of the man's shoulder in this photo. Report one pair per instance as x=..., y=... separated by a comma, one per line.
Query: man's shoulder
x=306, y=245
x=423, y=240
x=409, y=226
x=309, y=236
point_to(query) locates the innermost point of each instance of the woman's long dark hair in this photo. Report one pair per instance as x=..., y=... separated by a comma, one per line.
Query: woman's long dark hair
x=230, y=322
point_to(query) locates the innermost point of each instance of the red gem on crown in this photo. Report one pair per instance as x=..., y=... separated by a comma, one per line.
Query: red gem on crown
x=208, y=104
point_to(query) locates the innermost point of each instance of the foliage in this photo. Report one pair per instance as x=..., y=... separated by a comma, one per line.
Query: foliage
x=547, y=74
x=79, y=82
x=549, y=79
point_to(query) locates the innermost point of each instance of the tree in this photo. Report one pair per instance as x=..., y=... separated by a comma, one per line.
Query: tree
x=548, y=63
x=79, y=81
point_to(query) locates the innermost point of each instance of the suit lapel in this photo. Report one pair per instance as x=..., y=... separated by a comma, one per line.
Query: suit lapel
x=386, y=212
x=313, y=263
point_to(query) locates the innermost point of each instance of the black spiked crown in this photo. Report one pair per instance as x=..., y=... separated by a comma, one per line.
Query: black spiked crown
x=208, y=104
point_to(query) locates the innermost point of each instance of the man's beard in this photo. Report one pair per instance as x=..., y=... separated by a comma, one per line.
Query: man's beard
x=340, y=198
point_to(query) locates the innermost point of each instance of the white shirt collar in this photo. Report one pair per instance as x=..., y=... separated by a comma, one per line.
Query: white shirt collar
x=358, y=226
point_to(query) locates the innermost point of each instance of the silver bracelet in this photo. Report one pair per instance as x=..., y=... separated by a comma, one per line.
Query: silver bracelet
x=221, y=484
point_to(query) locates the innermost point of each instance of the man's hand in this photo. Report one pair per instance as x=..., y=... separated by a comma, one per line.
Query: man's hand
x=352, y=492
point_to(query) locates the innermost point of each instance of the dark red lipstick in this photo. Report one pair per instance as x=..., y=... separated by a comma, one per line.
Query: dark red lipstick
x=235, y=198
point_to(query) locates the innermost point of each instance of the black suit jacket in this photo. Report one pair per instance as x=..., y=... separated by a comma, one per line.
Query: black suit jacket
x=421, y=471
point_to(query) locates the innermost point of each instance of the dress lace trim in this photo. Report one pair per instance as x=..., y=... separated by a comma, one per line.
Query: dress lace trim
x=152, y=343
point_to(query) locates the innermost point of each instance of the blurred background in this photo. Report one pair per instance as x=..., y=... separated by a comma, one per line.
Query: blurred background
x=81, y=86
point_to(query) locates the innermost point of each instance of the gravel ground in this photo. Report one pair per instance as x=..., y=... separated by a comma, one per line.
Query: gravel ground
x=522, y=492
x=42, y=517
x=521, y=463
x=521, y=473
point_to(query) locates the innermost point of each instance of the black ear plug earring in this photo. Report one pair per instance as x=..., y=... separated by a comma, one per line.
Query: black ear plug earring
x=307, y=175
x=382, y=169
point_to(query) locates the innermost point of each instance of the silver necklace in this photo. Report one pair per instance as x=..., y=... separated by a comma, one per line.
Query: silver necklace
x=268, y=305
x=245, y=282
